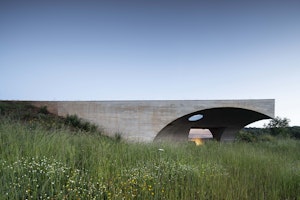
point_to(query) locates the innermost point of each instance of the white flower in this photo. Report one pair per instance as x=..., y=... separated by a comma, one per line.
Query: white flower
x=161, y=150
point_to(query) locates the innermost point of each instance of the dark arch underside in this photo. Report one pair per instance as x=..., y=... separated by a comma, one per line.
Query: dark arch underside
x=223, y=123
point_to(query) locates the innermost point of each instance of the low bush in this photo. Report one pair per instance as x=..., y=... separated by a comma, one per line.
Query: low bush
x=244, y=136
x=43, y=110
x=266, y=138
x=80, y=124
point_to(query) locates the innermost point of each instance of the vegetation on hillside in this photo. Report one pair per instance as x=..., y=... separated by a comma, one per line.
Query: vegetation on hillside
x=43, y=156
x=33, y=116
x=276, y=128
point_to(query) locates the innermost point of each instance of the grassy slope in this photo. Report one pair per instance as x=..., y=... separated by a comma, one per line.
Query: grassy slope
x=41, y=157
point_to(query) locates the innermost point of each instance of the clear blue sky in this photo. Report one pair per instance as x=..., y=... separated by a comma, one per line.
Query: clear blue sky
x=151, y=49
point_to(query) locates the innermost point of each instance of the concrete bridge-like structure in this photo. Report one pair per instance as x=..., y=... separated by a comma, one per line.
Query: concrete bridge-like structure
x=146, y=121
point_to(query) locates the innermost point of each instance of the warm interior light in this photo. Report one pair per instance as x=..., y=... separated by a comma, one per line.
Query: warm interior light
x=198, y=141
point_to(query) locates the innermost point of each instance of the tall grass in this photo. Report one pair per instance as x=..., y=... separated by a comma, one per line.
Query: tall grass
x=58, y=163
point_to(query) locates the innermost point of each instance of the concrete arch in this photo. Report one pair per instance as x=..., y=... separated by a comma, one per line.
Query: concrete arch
x=223, y=122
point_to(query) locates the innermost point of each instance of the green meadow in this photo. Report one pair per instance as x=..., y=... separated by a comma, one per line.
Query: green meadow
x=46, y=157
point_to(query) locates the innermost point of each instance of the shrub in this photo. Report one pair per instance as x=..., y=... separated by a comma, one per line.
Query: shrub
x=266, y=138
x=278, y=122
x=118, y=137
x=76, y=122
x=295, y=132
x=43, y=110
x=246, y=137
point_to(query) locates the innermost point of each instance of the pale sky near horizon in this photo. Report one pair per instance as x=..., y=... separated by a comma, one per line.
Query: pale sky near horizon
x=151, y=50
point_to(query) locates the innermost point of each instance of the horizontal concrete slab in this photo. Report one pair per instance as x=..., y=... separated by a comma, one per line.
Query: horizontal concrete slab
x=143, y=120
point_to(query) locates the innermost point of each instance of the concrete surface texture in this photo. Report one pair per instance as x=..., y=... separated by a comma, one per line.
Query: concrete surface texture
x=146, y=121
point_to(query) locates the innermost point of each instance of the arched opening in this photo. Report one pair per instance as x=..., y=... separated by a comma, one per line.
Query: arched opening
x=199, y=135
x=223, y=123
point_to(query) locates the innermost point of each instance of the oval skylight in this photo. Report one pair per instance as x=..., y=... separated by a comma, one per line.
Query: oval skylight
x=195, y=117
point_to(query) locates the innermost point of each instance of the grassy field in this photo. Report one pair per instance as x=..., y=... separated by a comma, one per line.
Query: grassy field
x=43, y=158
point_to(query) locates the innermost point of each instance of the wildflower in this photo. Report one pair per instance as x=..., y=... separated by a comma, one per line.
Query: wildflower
x=161, y=150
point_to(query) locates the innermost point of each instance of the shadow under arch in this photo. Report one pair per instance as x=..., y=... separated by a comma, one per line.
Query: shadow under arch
x=223, y=122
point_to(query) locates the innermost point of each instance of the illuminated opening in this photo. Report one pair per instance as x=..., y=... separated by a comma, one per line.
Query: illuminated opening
x=198, y=141
x=199, y=135
x=195, y=117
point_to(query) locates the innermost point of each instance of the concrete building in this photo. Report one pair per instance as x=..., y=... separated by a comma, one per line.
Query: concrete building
x=146, y=121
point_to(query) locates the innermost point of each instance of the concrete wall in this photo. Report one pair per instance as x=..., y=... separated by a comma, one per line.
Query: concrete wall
x=143, y=120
